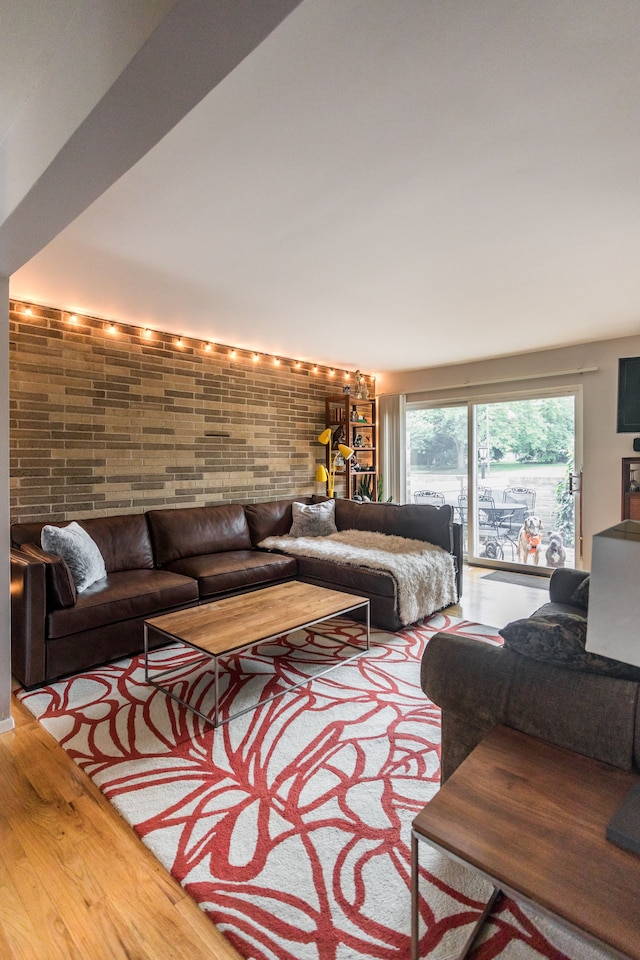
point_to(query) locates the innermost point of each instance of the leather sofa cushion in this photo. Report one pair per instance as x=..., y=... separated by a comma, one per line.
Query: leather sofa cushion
x=223, y=573
x=339, y=575
x=22, y=533
x=411, y=520
x=61, y=590
x=123, y=540
x=272, y=519
x=125, y=595
x=195, y=531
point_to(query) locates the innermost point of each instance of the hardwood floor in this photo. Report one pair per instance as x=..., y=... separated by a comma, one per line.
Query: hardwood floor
x=77, y=884
x=495, y=603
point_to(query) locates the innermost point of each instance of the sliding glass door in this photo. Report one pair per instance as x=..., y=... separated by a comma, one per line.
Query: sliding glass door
x=514, y=494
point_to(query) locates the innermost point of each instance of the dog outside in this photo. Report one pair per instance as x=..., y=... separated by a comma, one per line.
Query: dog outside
x=531, y=536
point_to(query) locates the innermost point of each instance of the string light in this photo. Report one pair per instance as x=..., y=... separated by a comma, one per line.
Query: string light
x=208, y=346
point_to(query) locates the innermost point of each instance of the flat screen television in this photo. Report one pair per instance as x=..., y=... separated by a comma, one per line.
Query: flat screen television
x=629, y=395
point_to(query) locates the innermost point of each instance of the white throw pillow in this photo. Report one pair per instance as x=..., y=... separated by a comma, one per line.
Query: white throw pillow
x=313, y=519
x=80, y=552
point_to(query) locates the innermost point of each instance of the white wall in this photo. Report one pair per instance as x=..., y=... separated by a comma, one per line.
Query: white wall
x=603, y=448
x=6, y=722
x=65, y=80
x=90, y=116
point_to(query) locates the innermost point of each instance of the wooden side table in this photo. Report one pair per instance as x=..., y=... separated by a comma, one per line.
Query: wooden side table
x=531, y=818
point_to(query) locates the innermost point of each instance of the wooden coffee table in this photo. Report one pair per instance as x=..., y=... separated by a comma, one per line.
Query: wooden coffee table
x=236, y=623
x=531, y=818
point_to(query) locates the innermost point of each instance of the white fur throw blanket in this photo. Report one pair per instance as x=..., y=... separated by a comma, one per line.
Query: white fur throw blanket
x=424, y=573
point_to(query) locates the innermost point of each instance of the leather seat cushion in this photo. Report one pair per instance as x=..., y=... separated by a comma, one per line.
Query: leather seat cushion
x=219, y=573
x=122, y=596
x=359, y=579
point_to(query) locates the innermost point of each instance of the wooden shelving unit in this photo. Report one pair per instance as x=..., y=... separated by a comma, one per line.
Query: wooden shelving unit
x=353, y=422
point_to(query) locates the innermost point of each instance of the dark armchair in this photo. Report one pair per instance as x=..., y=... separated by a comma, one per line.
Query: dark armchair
x=478, y=685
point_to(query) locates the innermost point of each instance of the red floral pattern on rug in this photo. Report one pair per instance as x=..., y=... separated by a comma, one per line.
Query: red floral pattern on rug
x=290, y=825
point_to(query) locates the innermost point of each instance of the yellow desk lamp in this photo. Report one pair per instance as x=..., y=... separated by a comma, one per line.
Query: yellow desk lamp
x=330, y=476
x=321, y=478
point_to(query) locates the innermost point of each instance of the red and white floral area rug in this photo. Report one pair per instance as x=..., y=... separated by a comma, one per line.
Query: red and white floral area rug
x=290, y=825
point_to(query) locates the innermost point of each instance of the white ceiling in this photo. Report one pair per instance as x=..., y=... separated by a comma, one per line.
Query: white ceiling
x=383, y=184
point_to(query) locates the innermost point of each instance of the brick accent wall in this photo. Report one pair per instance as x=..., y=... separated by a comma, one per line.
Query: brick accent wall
x=115, y=420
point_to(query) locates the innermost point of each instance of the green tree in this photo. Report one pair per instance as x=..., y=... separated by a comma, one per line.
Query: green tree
x=536, y=430
x=438, y=437
x=539, y=430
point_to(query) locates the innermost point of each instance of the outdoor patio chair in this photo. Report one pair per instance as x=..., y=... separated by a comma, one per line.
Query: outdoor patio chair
x=429, y=496
x=520, y=495
x=481, y=491
x=517, y=495
x=487, y=514
x=485, y=517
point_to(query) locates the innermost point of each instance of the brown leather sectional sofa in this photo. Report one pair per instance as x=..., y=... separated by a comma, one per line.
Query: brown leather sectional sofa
x=168, y=559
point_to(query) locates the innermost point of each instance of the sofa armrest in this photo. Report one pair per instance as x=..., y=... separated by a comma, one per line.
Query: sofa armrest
x=28, y=618
x=478, y=685
x=563, y=582
x=61, y=589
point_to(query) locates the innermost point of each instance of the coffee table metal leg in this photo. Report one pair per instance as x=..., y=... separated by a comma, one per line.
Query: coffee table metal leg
x=216, y=720
x=415, y=914
x=480, y=922
x=415, y=911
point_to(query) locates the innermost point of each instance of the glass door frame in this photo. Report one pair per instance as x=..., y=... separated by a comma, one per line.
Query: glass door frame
x=471, y=556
